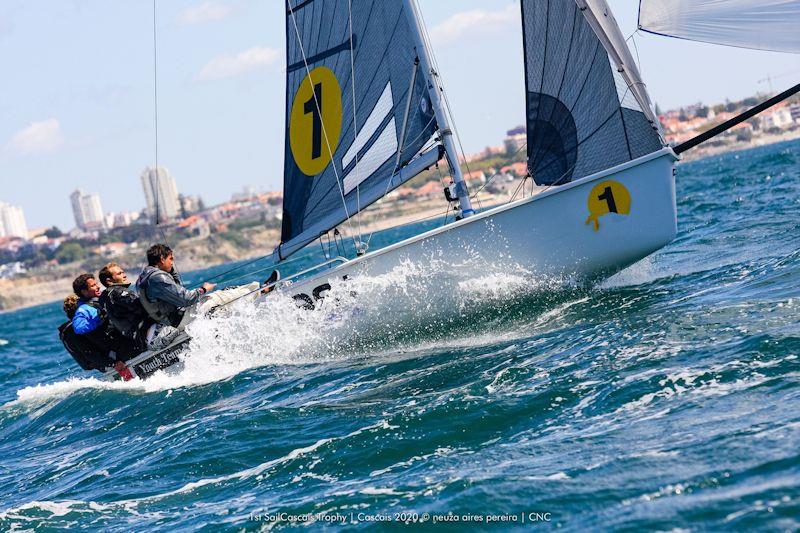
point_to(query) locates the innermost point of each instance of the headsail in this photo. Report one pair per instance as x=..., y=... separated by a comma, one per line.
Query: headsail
x=336, y=161
x=587, y=107
x=761, y=24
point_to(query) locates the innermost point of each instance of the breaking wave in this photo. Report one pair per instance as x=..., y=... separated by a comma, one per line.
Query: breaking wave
x=666, y=398
x=411, y=307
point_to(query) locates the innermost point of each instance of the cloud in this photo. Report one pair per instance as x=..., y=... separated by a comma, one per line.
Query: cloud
x=468, y=24
x=205, y=12
x=37, y=138
x=229, y=66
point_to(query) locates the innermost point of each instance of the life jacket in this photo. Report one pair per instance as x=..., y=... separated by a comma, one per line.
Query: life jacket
x=124, y=310
x=161, y=312
x=108, y=339
x=84, y=348
x=102, y=336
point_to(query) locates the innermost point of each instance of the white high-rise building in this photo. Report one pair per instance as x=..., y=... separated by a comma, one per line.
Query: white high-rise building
x=161, y=194
x=87, y=210
x=12, y=221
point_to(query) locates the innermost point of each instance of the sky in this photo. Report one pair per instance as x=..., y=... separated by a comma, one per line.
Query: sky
x=77, y=98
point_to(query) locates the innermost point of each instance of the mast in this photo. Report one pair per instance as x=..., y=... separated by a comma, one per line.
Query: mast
x=435, y=92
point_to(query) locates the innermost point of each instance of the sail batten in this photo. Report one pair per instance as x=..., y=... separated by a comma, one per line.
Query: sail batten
x=350, y=67
x=759, y=24
x=586, y=106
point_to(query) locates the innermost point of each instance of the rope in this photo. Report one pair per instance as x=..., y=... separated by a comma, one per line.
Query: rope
x=155, y=120
x=493, y=176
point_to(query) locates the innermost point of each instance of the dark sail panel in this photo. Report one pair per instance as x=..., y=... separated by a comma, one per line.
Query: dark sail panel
x=337, y=161
x=582, y=114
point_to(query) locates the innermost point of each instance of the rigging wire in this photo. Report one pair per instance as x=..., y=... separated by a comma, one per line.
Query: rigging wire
x=497, y=173
x=355, y=121
x=155, y=187
x=268, y=266
x=448, y=109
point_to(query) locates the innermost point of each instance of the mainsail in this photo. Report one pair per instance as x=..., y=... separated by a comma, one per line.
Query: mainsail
x=587, y=107
x=355, y=99
x=760, y=24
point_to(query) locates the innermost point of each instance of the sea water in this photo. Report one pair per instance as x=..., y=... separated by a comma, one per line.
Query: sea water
x=667, y=397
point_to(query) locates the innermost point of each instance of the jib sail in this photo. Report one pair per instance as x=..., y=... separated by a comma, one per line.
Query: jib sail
x=355, y=99
x=587, y=108
x=760, y=24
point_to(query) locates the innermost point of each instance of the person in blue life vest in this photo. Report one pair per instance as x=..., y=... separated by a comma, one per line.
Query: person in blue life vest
x=90, y=323
x=89, y=352
x=87, y=318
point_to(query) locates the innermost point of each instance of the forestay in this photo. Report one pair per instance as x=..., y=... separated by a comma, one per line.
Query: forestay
x=760, y=24
x=587, y=107
x=337, y=162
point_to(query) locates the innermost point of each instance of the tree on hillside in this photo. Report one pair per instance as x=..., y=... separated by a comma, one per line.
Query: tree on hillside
x=69, y=252
x=53, y=233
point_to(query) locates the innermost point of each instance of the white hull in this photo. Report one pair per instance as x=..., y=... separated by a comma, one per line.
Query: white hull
x=546, y=235
x=147, y=363
x=442, y=271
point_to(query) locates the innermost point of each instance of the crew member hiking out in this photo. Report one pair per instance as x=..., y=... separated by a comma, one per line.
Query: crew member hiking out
x=87, y=317
x=123, y=308
x=89, y=322
x=164, y=297
x=170, y=304
x=88, y=354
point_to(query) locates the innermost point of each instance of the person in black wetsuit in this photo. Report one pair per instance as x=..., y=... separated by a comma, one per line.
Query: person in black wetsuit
x=88, y=335
x=91, y=352
x=124, y=311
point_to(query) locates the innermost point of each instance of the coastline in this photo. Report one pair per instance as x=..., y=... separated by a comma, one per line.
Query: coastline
x=28, y=291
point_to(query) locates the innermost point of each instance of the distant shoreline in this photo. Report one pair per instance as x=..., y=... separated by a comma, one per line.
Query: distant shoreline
x=766, y=139
x=29, y=291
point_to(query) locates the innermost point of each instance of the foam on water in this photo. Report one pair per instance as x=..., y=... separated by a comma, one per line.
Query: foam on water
x=666, y=399
x=364, y=315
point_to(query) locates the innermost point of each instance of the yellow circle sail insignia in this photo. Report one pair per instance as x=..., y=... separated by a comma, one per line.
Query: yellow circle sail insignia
x=608, y=197
x=315, y=122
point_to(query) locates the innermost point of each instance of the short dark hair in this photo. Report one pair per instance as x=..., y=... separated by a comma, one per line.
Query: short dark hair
x=105, y=274
x=156, y=253
x=81, y=283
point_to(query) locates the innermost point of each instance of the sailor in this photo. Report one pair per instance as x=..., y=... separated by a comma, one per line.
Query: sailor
x=164, y=297
x=91, y=322
x=87, y=317
x=124, y=310
x=83, y=348
x=171, y=305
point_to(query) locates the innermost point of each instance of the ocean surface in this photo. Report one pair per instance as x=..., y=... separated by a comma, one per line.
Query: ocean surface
x=666, y=397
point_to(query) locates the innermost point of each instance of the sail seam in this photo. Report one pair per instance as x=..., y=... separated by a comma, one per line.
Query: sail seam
x=322, y=55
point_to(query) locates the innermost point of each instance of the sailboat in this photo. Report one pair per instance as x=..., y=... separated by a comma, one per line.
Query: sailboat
x=366, y=112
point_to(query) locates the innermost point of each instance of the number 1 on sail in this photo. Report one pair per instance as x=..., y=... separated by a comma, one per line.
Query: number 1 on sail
x=316, y=121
